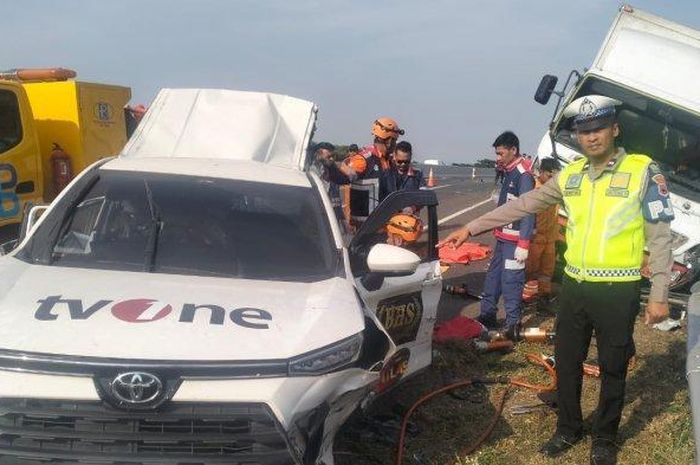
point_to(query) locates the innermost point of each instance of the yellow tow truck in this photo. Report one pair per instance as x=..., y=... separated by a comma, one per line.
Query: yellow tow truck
x=52, y=127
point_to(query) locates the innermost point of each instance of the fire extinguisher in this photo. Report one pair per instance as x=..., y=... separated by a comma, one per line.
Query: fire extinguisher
x=62, y=169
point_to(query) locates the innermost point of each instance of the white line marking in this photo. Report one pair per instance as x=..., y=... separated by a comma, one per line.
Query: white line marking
x=440, y=187
x=461, y=212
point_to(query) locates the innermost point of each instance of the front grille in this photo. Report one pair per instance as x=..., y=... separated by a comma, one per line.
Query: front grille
x=52, y=431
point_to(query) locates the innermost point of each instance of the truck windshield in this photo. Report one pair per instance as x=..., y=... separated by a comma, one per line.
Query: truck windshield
x=10, y=121
x=196, y=226
x=669, y=135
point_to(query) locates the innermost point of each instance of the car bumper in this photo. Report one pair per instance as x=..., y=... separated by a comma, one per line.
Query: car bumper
x=296, y=418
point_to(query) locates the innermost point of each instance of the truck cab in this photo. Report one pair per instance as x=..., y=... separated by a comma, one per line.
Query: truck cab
x=41, y=112
x=651, y=65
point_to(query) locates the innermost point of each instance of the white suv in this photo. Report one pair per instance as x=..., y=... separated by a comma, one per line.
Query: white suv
x=192, y=301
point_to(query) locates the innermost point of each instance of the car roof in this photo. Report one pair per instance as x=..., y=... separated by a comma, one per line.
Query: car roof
x=225, y=124
x=241, y=170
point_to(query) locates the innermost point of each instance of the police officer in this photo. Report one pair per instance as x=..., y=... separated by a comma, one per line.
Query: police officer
x=617, y=204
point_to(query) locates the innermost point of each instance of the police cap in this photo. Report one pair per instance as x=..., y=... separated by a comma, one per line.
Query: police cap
x=592, y=112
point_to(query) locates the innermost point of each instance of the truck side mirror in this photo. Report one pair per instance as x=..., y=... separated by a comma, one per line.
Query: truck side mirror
x=546, y=89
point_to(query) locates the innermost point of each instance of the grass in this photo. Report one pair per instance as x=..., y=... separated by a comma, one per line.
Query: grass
x=656, y=426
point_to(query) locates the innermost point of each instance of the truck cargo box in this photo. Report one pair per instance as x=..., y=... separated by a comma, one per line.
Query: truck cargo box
x=85, y=119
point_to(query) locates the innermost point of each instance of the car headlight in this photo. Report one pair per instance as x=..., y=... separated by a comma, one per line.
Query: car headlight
x=328, y=358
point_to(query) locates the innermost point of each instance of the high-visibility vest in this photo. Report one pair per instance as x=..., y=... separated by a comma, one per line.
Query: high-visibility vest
x=605, y=228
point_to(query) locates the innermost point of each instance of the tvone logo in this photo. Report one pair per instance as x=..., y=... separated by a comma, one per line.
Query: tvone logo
x=147, y=311
x=141, y=310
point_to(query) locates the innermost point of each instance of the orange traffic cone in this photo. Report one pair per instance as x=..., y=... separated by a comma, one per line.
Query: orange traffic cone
x=431, y=179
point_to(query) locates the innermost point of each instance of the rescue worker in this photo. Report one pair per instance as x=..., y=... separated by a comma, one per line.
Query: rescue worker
x=324, y=161
x=617, y=204
x=402, y=176
x=540, y=262
x=353, y=150
x=506, y=272
x=362, y=171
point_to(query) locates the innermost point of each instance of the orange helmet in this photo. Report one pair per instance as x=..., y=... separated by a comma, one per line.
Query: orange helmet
x=404, y=226
x=386, y=128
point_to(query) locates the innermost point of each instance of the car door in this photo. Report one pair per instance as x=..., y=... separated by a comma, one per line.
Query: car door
x=406, y=306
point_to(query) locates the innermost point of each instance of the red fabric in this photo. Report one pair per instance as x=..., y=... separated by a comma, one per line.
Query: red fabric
x=505, y=236
x=465, y=253
x=524, y=162
x=458, y=328
x=524, y=244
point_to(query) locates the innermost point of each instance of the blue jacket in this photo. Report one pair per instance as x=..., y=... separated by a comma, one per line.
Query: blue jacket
x=393, y=181
x=517, y=180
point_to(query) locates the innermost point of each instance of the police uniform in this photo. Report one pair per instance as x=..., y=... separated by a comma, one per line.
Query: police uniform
x=506, y=276
x=614, y=212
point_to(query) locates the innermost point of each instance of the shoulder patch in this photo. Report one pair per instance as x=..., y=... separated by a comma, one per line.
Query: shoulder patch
x=656, y=204
x=661, y=185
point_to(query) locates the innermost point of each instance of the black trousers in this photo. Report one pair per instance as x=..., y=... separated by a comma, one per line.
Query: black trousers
x=609, y=309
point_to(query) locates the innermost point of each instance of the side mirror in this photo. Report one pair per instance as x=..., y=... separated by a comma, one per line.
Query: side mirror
x=30, y=220
x=546, y=89
x=390, y=260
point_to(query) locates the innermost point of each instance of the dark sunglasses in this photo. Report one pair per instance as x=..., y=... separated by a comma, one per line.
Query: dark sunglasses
x=402, y=162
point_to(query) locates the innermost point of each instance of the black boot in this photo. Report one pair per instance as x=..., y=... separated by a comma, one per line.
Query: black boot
x=603, y=452
x=558, y=444
x=489, y=323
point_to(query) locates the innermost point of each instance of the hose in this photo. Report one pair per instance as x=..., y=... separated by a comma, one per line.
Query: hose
x=533, y=358
x=443, y=390
x=539, y=360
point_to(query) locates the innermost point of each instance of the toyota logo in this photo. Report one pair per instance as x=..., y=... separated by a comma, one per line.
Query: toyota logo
x=136, y=388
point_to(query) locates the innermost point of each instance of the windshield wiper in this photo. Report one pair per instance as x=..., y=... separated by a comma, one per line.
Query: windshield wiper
x=156, y=224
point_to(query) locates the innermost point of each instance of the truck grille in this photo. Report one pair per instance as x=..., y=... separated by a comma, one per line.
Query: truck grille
x=53, y=431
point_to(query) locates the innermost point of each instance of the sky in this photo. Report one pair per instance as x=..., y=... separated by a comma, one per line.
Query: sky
x=453, y=73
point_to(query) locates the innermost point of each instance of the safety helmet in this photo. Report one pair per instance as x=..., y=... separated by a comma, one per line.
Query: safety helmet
x=386, y=128
x=407, y=227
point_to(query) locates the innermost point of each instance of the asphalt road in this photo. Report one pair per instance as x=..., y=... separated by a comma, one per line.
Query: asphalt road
x=462, y=198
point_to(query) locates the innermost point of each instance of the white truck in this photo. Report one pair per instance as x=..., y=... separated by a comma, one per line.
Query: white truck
x=652, y=66
x=192, y=301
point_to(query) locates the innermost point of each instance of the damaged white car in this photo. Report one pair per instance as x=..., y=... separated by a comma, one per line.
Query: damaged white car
x=192, y=301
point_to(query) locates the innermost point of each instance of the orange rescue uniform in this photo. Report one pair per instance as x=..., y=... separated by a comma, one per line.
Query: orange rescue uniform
x=541, y=259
